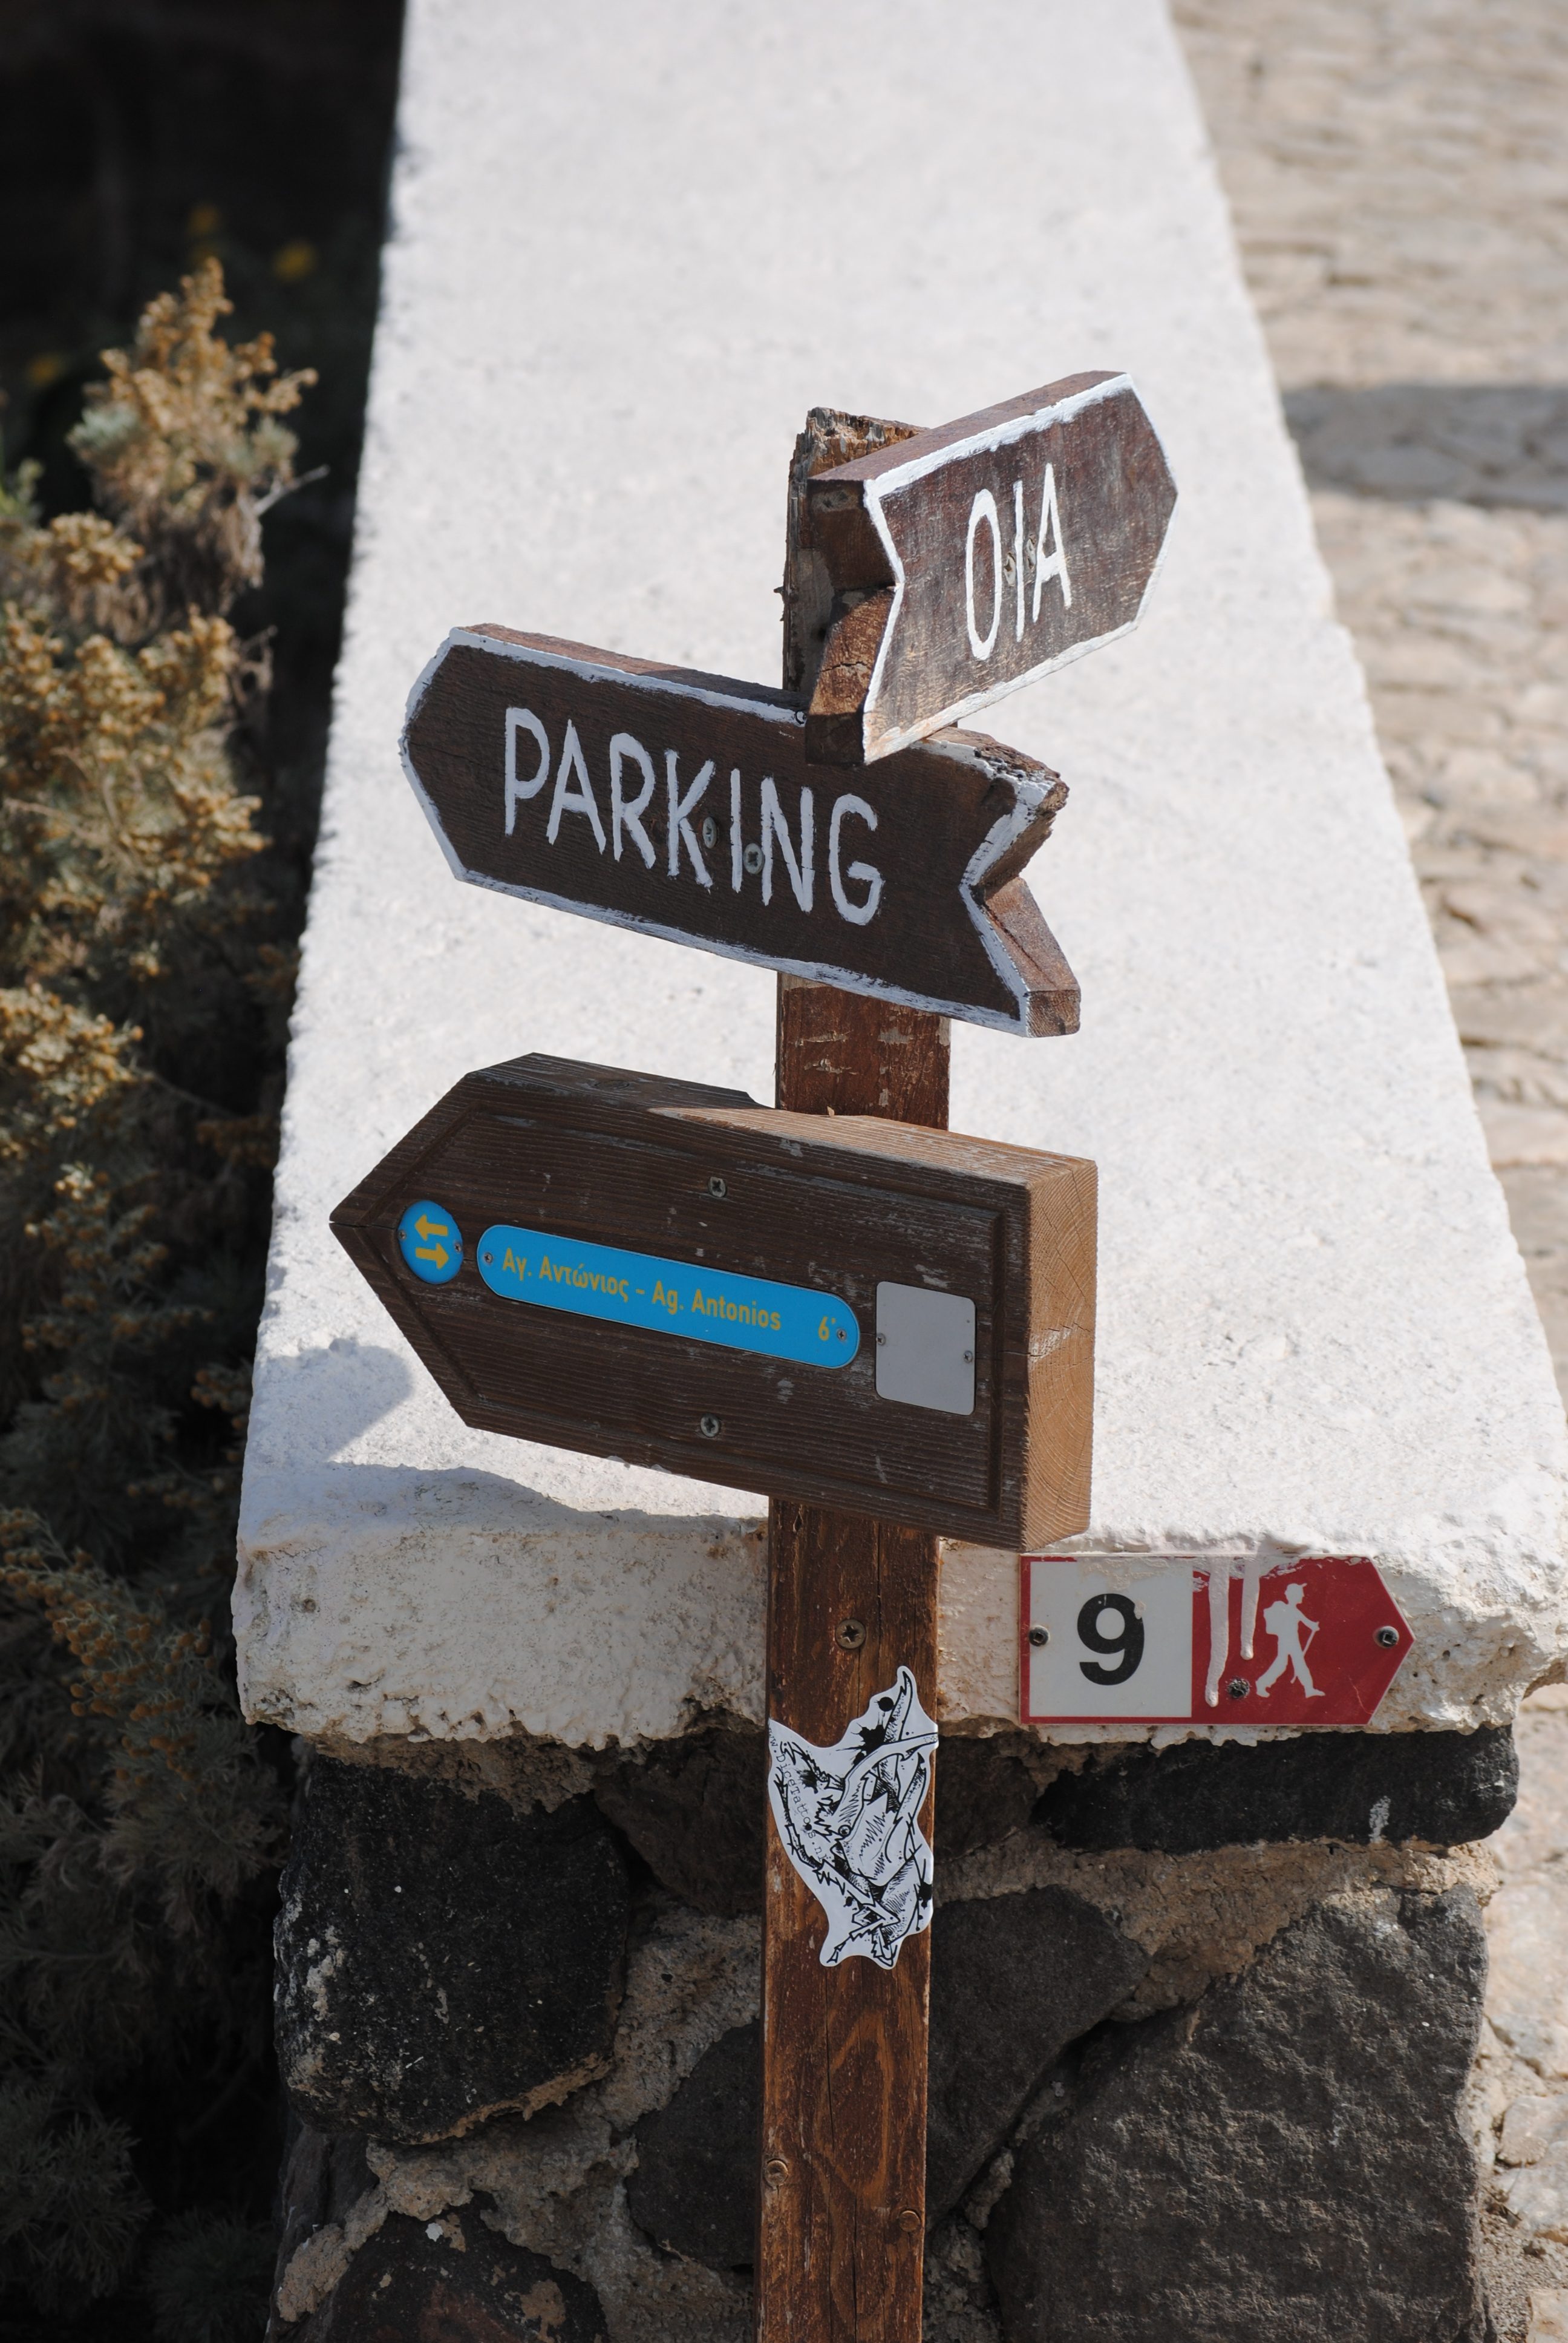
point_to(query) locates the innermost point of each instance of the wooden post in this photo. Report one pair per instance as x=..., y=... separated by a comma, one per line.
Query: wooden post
x=841, y=2229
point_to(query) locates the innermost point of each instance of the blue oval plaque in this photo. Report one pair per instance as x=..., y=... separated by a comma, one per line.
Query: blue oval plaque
x=669, y=1297
x=431, y=1242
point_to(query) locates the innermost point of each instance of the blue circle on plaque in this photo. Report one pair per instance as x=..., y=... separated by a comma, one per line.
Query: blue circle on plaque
x=430, y=1242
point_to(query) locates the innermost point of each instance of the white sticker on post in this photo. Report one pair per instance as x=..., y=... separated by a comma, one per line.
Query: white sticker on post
x=1105, y=1636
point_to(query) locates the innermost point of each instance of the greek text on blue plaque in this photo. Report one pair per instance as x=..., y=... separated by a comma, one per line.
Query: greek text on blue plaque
x=671, y=1297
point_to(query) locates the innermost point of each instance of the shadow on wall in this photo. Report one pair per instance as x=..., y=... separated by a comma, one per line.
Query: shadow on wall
x=1478, y=443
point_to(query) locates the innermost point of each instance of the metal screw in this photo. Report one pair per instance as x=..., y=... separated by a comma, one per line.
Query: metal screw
x=968, y=1358
x=752, y=859
x=715, y=1186
x=851, y=1634
x=1040, y=1637
x=1388, y=1638
x=709, y=832
x=486, y=1258
x=909, y=2221
x=710, y=1426
x=881, y=1342
x=1238, y=1687
x=775, y=2170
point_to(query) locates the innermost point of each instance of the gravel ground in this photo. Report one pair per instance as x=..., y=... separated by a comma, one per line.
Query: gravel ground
x=1398, y=179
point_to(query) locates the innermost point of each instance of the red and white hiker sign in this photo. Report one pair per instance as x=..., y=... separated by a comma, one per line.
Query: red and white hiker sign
x=1162, y=1639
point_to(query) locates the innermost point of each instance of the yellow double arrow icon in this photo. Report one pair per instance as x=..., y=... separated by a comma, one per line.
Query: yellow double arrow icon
x=438, y=1254
x=430, y=1242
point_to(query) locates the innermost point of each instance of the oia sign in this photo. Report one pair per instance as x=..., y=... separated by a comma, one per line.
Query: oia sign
x=969, y=559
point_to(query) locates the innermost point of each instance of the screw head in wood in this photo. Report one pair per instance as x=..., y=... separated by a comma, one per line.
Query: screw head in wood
x=710, y=1426
x=909, y=2221
x=1238, y=1687
x=850, y=1635
x=774, y=2171
x=715, y=1186
x=752, y=859
x=1388, y=1638
x=1040, y=1637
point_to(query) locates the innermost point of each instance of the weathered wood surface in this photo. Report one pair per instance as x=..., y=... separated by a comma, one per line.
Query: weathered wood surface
x=843, y=2163
x=702, y=1177
x=842, y=2193
x=966, y=560
x=682, y=805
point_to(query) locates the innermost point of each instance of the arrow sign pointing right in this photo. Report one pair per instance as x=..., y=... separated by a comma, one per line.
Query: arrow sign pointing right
x=969, y=559
x=682, y=805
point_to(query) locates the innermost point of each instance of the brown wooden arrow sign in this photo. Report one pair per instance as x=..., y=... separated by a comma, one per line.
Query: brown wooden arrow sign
x=970, y=559
x=851, y=1312
x=682, y=805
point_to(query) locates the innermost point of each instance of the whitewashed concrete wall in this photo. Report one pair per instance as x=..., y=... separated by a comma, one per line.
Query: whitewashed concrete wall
x=630, y=247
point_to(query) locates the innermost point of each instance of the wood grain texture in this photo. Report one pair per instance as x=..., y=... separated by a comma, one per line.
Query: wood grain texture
x=830, y=1205
x=681, y=805
x=966, y=560
x=830, y=437
x=841, y=2233
x=842, y=2186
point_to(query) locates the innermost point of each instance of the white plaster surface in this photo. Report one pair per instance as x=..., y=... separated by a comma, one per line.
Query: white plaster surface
x=631, y=245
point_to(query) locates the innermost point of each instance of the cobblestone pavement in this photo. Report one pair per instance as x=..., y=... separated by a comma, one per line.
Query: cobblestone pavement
x=1398, y=175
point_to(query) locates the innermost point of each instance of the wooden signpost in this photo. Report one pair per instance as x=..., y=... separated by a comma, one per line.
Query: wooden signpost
x=965, y=562
x=885, y=1328
x=848, y=1312
x=683, y=804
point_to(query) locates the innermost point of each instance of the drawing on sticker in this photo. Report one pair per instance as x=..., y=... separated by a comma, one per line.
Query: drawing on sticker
x=1284, y=1621
x=848, y=1818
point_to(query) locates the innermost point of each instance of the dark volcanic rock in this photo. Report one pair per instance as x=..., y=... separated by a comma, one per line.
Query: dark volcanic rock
x=693, y=1809
x=985, y=1788
x=1286, y=2160
x=694, y=2186
x=1014, y=1979
x=463, y=2285
x=1445, y=1788
x=440, y=1956
x=322, y=2178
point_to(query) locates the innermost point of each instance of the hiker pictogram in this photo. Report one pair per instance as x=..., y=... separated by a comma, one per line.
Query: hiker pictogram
x=1286, y=1622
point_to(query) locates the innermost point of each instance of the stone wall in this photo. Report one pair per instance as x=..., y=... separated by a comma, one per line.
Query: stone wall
x=1203, y=2023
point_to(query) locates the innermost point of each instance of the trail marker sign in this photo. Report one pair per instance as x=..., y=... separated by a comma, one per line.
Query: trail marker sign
x=970, y=559
x=849, y=1312
x=682, y=805
x=1161, y=1639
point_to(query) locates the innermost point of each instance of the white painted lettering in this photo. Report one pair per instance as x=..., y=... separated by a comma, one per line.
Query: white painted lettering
x=1018, y=558
x=681, y=810
x=983, y=509
x=736, y=864
x=523, y=720
x=627, y=813
x=1054, y=563
x=864, y=874
x=578, y=800
x=775, y=826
